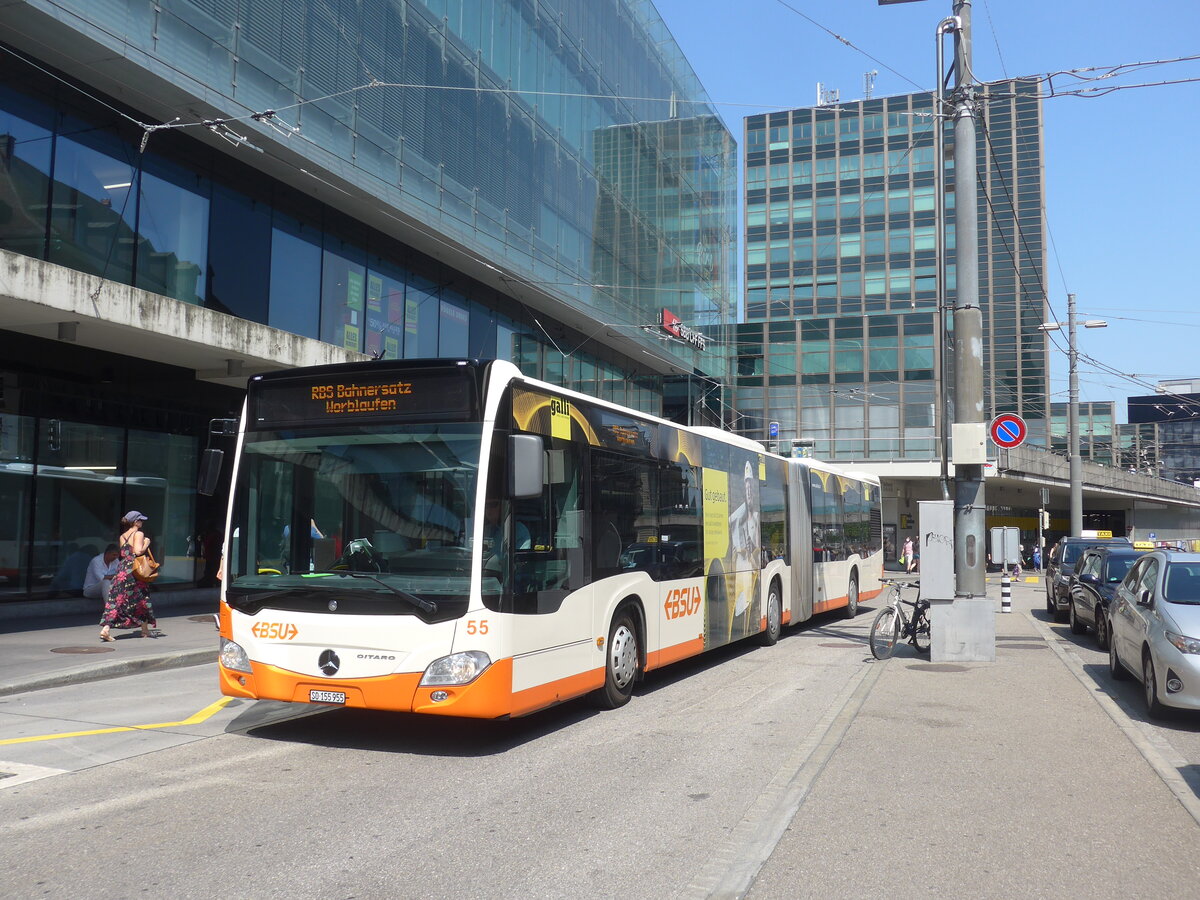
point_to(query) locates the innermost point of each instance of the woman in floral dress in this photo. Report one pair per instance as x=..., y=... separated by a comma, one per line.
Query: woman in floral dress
x=128, y=604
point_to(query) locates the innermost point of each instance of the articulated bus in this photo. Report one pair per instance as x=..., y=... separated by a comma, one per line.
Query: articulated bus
x=451, y=537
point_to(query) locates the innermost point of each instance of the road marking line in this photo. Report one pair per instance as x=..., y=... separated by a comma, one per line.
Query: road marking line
x=207, y=713
x=1145, y=744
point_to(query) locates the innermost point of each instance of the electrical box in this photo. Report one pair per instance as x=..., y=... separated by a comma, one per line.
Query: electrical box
x=970, y=443
x=935, y=531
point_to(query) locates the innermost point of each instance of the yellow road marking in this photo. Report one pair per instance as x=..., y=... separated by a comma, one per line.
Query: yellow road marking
x=208, y=712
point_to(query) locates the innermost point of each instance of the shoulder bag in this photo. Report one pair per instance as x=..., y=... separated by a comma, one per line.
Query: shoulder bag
x=145, y=567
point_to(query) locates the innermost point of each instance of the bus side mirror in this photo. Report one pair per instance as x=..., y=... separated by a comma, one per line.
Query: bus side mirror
x=526, y=466
x=210, y=471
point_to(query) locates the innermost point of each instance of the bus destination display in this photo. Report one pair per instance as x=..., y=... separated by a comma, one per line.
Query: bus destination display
x=415, y=396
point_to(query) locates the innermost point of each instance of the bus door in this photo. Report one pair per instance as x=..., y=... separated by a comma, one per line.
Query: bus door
x=551, y=595
x=800, y=527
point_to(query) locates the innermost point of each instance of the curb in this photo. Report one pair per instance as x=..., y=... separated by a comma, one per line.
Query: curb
x=1168, y=770
x=114, y=669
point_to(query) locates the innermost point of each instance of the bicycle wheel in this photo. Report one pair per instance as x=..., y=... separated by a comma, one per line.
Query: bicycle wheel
x=921, y=637
x=885, y=633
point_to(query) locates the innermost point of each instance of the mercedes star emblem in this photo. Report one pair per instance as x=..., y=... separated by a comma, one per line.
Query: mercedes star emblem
x=329, y=662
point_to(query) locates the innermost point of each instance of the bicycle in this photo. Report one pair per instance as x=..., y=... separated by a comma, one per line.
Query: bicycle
x=892, y=624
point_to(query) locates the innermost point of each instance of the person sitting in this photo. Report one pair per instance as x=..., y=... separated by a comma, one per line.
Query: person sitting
x=100, y=571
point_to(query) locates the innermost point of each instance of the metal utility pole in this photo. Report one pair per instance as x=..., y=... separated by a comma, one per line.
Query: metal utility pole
x=1074, y=459
x=1075, y=464
x=970, y=556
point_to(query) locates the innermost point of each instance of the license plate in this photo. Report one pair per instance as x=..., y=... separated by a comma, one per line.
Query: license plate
x=326, y=697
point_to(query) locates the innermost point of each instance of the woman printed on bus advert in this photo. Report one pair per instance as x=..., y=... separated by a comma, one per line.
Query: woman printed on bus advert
x=128, y=604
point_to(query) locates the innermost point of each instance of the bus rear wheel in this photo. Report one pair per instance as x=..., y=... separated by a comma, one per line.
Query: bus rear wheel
x=770, y=636
x=623, y=662
x=852, y=598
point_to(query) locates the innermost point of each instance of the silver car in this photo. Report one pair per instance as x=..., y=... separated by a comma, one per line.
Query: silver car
x=1154, y=619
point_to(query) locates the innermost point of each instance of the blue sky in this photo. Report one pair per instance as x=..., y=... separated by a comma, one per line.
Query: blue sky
x=1122, y=220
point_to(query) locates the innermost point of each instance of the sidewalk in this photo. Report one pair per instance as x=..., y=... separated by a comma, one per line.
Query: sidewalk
x=42, y=651
x=1007, y=779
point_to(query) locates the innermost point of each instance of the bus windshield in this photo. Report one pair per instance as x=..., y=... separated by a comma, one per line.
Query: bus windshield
x=379, y=515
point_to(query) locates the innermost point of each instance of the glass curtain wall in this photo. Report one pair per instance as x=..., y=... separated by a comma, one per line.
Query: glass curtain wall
x=65, y=486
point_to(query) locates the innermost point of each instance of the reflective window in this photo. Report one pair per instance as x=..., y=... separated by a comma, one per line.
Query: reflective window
x=172, y=232
x=385, y=310
x=94, y=206
x=343, y=294
x=295, y=277
x=421, y=311
x=79, y=496
x=25, y=150
x=160, y=481
x=454, y=327
x=239, y=246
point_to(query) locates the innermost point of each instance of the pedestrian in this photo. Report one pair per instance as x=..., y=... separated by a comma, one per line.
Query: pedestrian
x=1037, y=557
x=906, y=555
x=128, y=603
x=916, y=566
x=98, y=578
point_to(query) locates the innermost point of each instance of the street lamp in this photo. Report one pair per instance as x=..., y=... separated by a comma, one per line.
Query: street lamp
x=1074, y=462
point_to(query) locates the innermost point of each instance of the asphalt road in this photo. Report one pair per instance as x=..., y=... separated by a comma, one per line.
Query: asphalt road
x=271, y=800
x=154, y=785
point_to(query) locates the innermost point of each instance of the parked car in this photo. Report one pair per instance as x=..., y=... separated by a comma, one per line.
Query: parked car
x=1092, y=585
x=1061, y=563
x=1154, y=622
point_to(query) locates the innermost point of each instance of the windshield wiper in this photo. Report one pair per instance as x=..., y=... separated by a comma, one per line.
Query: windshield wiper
x=427, y=606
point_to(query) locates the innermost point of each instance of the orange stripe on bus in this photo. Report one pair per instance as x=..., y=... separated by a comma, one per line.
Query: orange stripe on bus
x=667, y=655
x=544, y=695
x=844, y=600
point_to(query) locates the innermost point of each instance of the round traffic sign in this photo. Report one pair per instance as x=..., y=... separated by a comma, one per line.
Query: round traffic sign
x=1008, y=430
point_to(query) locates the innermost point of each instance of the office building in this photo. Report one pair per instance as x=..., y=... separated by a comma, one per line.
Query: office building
x=194, y=192
x=1163, y=434
x=839, y=343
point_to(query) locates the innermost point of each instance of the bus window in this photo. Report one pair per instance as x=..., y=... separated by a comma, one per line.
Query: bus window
x=624, y=513
x=826, y=517
x=548, y=549
x=680, y=519
x=773, y=498
x=857, y=517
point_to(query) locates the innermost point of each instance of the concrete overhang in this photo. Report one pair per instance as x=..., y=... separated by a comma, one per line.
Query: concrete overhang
x=56, y=303
x=165, y=93
x=1015, y=478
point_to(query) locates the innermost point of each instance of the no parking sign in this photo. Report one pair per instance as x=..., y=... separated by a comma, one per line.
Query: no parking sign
x=1008, y=431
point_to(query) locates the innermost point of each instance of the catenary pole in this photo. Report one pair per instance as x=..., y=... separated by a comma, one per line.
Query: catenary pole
x=1075, y=464
x=969, y=502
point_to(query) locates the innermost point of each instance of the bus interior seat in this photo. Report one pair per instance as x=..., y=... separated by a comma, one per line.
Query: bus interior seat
x=608, y=548
x=324, y=554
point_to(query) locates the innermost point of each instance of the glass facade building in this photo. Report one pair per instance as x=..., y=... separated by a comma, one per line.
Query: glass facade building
x=533, y=181
x=838, y=344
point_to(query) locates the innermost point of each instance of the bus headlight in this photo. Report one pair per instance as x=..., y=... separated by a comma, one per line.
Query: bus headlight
x=233, y=656
x=457, y=668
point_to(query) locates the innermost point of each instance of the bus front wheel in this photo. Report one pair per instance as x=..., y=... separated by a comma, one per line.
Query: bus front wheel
x=852, y=598
x=623, y=662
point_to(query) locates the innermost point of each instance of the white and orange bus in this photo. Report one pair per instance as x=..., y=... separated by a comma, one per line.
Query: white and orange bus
x=451, y=537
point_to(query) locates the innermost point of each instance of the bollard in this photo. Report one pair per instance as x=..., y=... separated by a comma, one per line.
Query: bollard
x=1005, y=593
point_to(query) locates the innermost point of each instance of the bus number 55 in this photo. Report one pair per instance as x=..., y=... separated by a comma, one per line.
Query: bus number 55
x=480, y=627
